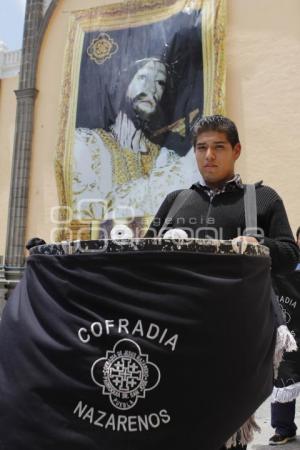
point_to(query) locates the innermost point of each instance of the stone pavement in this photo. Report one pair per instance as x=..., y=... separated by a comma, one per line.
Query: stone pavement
x=263, y=419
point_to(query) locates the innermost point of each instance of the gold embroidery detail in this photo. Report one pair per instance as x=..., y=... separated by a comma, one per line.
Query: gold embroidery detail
x=213, y=43
x=127, y=164
x=102, y=48
x=122, y=15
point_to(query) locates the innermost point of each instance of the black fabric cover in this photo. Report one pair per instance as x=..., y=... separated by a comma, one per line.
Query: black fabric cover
x=193, y=376
x=288, y=293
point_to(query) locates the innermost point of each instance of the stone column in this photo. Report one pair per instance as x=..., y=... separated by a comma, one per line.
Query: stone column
x=26, y=94
x=14, y=257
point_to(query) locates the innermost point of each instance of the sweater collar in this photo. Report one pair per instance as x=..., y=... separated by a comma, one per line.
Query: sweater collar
x=229, y=186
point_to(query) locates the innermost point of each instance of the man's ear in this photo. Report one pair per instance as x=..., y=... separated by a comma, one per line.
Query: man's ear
x=237, y=151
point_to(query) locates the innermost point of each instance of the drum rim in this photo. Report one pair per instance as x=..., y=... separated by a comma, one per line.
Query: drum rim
x=75, y=246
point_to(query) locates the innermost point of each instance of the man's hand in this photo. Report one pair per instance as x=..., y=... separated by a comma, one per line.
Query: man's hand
x=249, y=239
x=240, y=243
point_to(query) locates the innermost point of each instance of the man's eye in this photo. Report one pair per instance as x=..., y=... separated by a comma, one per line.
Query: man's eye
x=219, y=147
x=201, y=149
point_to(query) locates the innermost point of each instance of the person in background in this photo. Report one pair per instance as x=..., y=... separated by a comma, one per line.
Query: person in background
x=33, y=242
x=298, y=242
x=287, y=384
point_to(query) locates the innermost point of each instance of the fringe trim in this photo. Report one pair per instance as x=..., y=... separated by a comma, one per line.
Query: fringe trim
x=245, y=434
x=285, y=394
x=285, y=342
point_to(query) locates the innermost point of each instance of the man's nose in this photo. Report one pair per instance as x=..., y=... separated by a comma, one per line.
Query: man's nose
x=210, y=154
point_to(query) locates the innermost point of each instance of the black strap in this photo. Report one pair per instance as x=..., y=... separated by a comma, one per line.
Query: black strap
x=176, y=205
x=250, y=210
x=251, y=229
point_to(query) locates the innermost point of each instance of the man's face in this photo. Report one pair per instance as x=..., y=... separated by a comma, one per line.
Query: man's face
x=147, y=87
x=216, y=157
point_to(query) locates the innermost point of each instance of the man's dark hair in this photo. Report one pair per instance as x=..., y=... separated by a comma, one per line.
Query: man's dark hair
x=33, y=242
x=217, y=123
x=297, y=233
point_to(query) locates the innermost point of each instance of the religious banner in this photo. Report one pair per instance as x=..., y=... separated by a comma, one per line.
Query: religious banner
x=135, y=349
x=138, y=75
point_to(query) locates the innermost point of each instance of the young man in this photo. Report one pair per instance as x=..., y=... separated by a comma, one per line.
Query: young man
x=215, y=208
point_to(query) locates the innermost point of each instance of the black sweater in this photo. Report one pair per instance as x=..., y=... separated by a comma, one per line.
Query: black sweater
x=223, y=217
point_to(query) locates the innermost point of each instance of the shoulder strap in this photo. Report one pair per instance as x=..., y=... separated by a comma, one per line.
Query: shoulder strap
x=250, y=209
x=176, y=205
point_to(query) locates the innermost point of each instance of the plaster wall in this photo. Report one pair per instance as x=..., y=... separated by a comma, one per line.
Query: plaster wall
x=263, y=93
x=7, y=127
x=263, y=98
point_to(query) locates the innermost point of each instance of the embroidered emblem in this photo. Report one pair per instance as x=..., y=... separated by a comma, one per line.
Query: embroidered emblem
x=125, y=374
x=286, y=315
x=102, y=48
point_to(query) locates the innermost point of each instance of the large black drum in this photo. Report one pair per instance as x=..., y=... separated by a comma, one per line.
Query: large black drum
x=141, y=344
